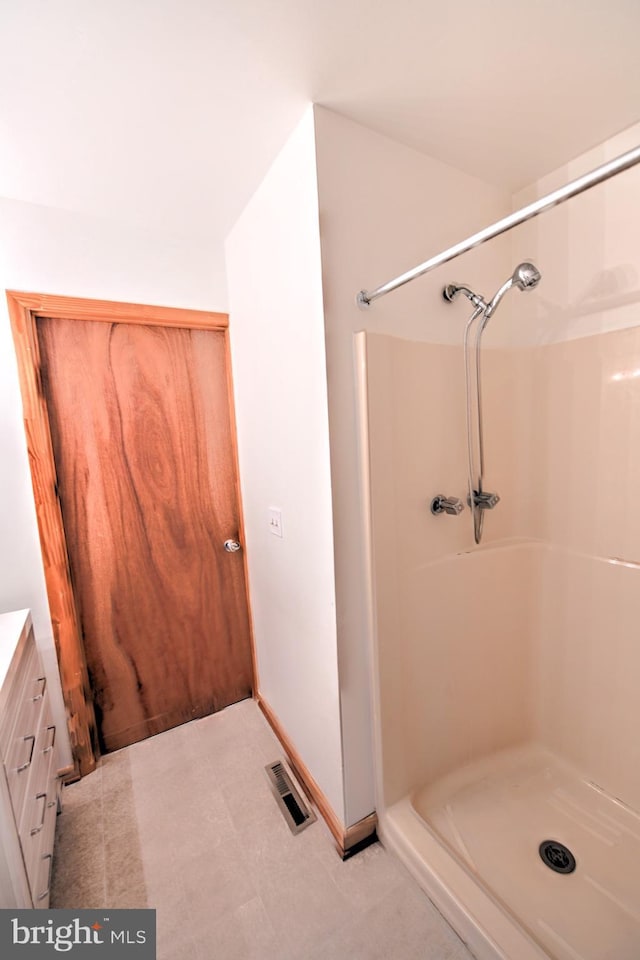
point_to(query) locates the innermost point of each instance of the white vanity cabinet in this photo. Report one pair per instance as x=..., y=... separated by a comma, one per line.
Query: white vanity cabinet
x=29, y=785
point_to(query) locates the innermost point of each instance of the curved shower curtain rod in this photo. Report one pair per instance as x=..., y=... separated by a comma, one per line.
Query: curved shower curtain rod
x=366, y=297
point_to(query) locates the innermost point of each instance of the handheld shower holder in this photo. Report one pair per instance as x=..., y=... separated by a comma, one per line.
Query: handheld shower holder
x=451, y=291
x=485, y=501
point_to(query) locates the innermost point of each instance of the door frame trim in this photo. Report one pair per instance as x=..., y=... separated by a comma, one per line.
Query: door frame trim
x=24, y=310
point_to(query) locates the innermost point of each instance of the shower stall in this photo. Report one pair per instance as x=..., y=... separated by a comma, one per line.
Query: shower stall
x=501, y=473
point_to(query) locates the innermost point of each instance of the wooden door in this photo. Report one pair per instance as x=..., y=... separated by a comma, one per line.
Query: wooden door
x=144, y=452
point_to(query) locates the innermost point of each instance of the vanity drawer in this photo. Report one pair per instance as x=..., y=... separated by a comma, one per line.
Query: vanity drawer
x=28, y=753
x=20, y=704
x=25, y=745
x=32, y=815
x=38, y=853
x=40, y=805
x=40, y=888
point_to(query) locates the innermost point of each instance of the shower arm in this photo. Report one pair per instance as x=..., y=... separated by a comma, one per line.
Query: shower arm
x=365, y=298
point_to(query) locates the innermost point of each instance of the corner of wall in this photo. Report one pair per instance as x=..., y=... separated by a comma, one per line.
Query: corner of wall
x=280, y=386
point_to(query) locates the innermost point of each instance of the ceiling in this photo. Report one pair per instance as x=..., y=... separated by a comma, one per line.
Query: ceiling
x=168, y=112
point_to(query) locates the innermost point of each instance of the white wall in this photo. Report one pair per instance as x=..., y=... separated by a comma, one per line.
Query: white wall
x=383, y=209
x=277, y=339
x=52, y=251
x=586, y=250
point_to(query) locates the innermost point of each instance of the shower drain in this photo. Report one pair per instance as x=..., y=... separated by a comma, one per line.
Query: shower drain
x=556, y=856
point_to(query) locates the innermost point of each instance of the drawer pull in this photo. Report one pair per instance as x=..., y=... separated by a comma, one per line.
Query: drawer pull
x=43, y=681
x=34, y=830
x=53, y=739
x=23, y=766
x=41, y=896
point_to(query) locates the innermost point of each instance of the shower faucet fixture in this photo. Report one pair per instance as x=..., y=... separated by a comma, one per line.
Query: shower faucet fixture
x=450, y=505
x=486, y=501
x=526, y=276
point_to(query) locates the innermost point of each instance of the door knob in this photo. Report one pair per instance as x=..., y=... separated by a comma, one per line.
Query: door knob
x=231, y=546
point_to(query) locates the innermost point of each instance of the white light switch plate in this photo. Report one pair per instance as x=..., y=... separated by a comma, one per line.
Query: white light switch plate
x=275, y=522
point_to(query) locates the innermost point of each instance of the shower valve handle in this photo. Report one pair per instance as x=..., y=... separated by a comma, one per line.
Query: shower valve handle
x=450, y=505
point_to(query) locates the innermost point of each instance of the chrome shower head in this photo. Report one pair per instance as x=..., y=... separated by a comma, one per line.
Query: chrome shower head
x=526, y=276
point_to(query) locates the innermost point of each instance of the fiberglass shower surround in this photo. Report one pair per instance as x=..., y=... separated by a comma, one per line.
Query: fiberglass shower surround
x=524, y=277
x=505, y=698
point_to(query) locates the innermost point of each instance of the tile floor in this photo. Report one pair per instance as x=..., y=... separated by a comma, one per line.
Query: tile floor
x=185, y=822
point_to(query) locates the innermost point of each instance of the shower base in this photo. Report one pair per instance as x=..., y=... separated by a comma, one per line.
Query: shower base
x=472, y=840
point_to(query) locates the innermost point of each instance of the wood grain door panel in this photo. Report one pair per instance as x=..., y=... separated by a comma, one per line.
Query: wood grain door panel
x=145, y=458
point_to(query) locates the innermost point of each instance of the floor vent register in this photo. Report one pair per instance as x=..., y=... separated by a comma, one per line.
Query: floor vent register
x=294, y=809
